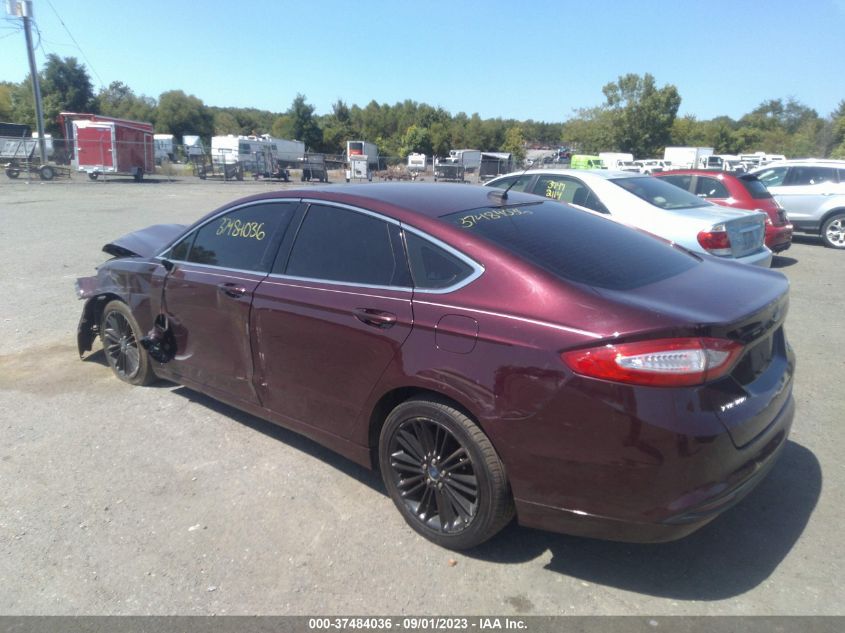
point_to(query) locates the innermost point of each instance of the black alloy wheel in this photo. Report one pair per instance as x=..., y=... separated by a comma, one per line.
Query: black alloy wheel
x=119, y=333
x=443, y=474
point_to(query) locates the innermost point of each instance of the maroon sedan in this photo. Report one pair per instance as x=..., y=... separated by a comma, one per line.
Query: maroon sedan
x=492, y=353
x=739, y=191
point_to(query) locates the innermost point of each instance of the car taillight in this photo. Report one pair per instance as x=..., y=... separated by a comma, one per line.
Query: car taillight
x=669, y=362
x=768, y=218
x=715, y=241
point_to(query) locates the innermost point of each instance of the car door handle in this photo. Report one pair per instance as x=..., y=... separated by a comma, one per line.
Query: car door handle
x=232, y=290
x=375, y=318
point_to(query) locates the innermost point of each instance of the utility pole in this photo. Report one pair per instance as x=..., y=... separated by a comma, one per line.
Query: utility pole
x=23, y=10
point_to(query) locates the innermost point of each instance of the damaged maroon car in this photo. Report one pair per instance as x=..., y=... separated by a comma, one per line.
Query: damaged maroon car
x=492, y=353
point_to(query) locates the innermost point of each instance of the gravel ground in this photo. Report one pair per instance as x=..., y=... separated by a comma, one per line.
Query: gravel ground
x=121, y=500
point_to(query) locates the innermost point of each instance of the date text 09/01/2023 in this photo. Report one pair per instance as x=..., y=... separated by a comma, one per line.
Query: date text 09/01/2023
x=416, y=623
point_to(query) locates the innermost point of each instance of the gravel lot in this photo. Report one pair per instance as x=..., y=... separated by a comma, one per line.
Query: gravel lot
x=121, y=500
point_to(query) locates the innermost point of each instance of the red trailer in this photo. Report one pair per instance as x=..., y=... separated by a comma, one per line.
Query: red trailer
x=105, y=145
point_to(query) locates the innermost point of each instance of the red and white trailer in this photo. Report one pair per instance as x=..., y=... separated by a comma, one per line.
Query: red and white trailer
x=105, y=145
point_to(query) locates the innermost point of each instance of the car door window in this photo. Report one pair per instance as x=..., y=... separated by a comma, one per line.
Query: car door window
x=710, y=188
x=569, y=190
x=341, y=245
x=431, y=266
x=684, y=181
x=810, y=175
x=520, y=183
x=773, y=176
x=244, y=239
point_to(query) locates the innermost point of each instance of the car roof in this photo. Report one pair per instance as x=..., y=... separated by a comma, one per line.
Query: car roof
x=712, y=173
x=820, y=162
x=605, y=174
x=415, y=199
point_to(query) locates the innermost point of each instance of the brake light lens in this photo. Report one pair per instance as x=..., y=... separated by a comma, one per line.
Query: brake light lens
x=716, y=241
x=668, y=362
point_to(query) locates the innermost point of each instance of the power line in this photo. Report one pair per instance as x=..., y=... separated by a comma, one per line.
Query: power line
x=79, y=48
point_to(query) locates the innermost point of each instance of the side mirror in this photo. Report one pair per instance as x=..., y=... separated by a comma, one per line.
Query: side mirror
x=169, y=265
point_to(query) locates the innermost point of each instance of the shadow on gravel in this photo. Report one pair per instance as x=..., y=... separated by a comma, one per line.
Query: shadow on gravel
x=299, y=442
x=802, y=238
x=728, y=557
x=781, y=261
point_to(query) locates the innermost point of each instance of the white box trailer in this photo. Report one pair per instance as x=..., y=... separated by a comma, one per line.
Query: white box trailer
x=615, y=160
x=286, y=153
x=416, y=162
x=164, y=148
x=363, y=148
x=192, y=145
x=686, y=157
x=469, y=158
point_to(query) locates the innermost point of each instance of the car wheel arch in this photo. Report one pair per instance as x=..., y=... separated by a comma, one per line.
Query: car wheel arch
x=92, y=316
x=397, y=396
x=829, y=214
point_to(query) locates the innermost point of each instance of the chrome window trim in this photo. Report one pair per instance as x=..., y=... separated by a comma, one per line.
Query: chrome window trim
x=350, y=284
x=214, y=217
x=477, y=269
x=243, y=271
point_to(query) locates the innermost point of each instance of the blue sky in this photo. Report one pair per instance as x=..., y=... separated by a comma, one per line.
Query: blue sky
x=534, y=59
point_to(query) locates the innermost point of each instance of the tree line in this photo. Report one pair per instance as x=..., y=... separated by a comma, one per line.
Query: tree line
x=636, y=116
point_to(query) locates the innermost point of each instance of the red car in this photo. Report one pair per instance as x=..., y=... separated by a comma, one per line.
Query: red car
x=492, y=353
x=743, y=191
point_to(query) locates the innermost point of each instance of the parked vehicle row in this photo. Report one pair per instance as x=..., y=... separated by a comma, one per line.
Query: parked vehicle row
x=743, y=191
x=655, y=206
x=813, y=194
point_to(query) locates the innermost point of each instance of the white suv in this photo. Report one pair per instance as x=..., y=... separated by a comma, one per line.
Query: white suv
x=812, y=192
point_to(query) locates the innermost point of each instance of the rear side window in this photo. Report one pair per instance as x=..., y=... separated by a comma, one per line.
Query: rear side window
x=342, y=245
x=569, y=190
x=576, y=246
x=773, y=176
x=432, y=267
x=660, y=194
x=521, y=182
x=710, y=188
x=809, y=175
x=244, y=239
x=684, y=181
x=754, y=187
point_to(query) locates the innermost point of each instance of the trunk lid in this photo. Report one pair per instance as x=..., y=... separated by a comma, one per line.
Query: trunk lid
x=741, y=303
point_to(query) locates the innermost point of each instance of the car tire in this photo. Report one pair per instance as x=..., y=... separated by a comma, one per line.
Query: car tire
x=443, y=474
x=92, y=175
x=13, y=172
x=833, y=231
x=120, y=335
x=47, y=172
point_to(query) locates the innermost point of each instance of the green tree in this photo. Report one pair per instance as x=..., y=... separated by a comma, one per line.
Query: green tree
x=591, y=130
x=303, y=126
x=642, y=114
x=416, y=140
x=181, y=114
x=225, y=123
x=118, y=100
x=515, y=144
x=65, y=87
x=6, y=89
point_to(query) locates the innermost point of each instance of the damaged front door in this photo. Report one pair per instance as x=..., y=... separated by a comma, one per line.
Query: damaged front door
x=208, y=296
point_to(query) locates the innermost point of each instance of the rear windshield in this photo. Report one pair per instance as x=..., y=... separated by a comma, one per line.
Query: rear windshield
x=754, y=187
x=576, y=245
x=660, y=194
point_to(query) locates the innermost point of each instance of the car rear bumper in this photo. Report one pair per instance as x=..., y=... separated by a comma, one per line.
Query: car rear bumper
x=762, y=258
x=687, y=512
x=779, y=238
